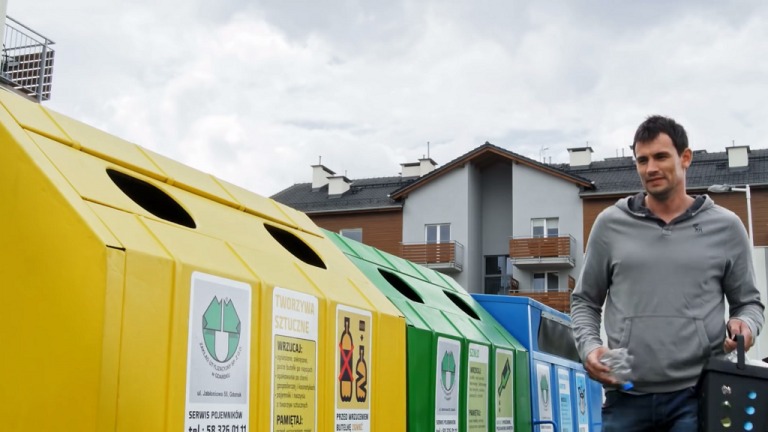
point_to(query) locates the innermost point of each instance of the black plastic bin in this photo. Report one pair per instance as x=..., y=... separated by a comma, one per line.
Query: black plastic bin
x=733, y=396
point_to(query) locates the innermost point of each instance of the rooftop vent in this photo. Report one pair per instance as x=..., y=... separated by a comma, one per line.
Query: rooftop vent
x=417, y=169
x=738, y=157
x=320, y=175
x=580, y=156
x=337, y=185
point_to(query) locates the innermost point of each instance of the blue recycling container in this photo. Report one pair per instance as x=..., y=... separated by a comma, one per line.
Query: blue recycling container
x=561, y=391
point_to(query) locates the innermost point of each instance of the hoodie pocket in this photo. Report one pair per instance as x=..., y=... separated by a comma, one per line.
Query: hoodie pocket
x=666, y=348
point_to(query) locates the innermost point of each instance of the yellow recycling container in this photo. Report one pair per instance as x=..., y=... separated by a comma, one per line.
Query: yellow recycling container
x=143, y=295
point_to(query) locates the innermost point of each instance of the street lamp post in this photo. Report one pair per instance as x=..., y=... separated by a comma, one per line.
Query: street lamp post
x=722, y=188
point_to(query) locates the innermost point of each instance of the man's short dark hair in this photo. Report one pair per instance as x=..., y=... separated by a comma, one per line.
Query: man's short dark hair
x=656, y=124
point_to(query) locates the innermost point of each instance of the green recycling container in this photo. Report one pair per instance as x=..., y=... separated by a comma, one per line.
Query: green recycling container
x=465, y=371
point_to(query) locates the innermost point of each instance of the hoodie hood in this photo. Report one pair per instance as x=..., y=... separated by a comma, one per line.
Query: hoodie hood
x=635, y=206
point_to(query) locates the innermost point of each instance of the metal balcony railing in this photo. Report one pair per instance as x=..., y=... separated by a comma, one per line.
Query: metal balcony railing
x=447, y=255
x=27, y=61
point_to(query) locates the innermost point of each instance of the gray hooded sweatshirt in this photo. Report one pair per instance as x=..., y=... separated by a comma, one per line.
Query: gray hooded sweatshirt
x=663, y=286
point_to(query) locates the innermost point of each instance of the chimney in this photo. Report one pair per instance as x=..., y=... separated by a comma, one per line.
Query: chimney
x=337, y=185
x=738, y=157
x=320, y=176
x=426, y=166
x=580, y=156
x=410, y=169
x=417, y=169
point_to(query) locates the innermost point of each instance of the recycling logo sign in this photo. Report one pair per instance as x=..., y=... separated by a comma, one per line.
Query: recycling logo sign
x=221, y=329
x=218, y=354
x=447, y=383
x=448, y=371
x=544, y=388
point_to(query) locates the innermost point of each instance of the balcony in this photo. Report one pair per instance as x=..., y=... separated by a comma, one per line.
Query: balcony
x=540, y=253
x=559, y=300
x=27, y=61
x=447, y=257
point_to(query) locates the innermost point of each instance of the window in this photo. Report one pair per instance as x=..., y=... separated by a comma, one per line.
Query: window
x=548, y=281
x=438, y=233
x=498, y=272
x=545, y=227
x=352, y=233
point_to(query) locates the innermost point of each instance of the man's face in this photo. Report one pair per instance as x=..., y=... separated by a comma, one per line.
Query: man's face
x=661, y=169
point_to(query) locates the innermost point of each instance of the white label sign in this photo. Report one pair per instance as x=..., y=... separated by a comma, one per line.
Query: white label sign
x=583, y=403
x=544, y=392
x=354, y=352
x=218, y=355
x=505, y=399
x=477, y=389
x=564, y=393
x=447, y=385
x=294, y=361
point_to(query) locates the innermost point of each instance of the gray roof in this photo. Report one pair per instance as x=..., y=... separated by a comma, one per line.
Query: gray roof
x=363, y=194
x=492, y=152
x=374, y=193
x=612, y=176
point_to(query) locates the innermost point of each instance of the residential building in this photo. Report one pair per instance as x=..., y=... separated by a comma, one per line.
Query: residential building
x=501, y=223
x=494, y=220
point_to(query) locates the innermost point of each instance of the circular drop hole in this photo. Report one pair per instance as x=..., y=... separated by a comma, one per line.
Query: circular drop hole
x=295, y=246
x=458, y=301
x=401, y=286
x=151, y=198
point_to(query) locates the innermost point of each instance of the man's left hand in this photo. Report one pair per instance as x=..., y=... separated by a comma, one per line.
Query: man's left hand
x=737, y=327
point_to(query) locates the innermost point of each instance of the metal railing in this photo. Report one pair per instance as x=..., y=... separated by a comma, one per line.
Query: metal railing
x=27, y=60
x=449, y=253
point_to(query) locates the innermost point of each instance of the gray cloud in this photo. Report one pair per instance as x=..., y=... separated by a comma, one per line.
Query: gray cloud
x=255, y=92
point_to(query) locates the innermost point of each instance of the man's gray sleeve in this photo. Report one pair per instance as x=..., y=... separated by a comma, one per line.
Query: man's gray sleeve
x=739, y=283
x=589, y=295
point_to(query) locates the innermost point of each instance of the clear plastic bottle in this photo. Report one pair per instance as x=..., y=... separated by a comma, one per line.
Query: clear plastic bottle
x=620, y=362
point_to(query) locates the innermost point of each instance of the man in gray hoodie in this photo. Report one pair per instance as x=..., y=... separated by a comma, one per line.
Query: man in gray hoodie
x=662, y=262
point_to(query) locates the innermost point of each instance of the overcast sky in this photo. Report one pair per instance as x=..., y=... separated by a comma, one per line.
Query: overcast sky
x=255, y=91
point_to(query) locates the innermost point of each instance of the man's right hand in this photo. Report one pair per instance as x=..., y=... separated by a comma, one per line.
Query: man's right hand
x=596, y=369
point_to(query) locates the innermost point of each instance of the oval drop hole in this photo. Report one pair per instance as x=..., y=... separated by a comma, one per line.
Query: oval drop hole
x=151, y=199
x=295, y=246
x=401, y=286
x=458, y=301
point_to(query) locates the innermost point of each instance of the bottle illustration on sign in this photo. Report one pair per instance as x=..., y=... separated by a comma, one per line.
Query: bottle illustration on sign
x=582, y=400
x=221, y=329
x=448, y=372
x=361, y=387
x=544, y=388
x=504, y=381
x=346, y=345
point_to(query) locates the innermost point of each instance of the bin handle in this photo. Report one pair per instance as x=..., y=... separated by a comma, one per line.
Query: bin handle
x=739, y=350
x=543, y=422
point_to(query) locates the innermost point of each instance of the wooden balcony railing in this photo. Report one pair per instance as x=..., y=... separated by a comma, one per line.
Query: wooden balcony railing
x=541, y=247
x=449, y=254
x=543, y=250
x=560, y=300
